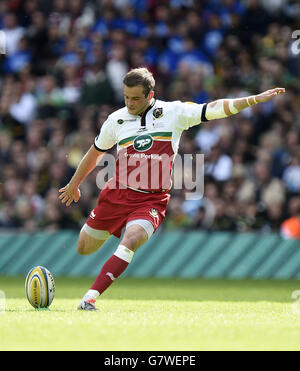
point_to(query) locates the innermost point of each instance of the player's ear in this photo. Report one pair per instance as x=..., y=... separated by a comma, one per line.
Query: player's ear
x=151, y=95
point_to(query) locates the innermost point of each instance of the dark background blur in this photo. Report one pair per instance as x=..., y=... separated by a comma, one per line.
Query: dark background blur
x=62, y=75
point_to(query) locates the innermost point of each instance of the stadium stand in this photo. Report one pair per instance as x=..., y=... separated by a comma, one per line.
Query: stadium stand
x=62, y=75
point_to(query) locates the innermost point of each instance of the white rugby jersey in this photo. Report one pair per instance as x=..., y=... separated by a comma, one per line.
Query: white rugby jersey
x=147, y=144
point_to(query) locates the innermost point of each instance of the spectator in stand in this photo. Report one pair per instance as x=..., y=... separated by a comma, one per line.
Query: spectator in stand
x=13, y=33
x=290, y=228
x=218, y=165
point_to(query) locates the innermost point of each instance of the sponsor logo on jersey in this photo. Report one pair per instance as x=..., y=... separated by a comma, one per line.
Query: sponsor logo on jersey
x=143, y=142
x=121, y=121
x=142, y=129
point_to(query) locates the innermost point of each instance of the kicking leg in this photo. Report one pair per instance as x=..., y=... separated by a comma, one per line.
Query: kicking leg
x=136, y=234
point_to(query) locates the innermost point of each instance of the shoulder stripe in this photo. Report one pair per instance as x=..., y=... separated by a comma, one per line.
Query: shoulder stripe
x=126, y=140
x=161, y=134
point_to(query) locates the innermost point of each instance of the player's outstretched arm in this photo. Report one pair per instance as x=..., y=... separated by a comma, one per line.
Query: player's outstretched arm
x=71, y=191
x=226, y=107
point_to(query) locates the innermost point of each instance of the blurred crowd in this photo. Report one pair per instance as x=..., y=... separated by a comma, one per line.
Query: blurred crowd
x=62, y=75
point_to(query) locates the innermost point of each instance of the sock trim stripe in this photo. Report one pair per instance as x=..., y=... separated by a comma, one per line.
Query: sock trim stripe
x=124, y=253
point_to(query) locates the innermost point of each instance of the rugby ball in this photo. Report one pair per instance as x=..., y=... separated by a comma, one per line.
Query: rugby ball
x=39, y=287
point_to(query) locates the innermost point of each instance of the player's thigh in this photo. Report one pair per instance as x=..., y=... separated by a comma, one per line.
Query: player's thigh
x=91, y=240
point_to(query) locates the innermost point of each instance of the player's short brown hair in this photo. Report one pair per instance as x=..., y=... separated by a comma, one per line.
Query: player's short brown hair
x=140, y=76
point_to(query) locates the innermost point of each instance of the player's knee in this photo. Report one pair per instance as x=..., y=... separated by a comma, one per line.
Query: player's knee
x=84, y=247
x=133, y=240
x=88, y=246
x=81, y=248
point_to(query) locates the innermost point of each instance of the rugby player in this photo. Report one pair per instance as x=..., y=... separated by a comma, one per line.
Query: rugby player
x=147, y=133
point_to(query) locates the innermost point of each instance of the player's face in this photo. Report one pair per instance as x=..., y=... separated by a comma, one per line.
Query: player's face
x=135, y=99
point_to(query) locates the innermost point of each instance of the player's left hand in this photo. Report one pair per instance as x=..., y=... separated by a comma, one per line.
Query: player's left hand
x=268, y=94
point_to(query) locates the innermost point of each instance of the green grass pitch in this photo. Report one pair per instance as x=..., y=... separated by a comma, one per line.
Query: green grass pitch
x=153, y=314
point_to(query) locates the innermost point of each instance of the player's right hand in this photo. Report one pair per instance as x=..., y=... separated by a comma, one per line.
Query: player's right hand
x=69, y=194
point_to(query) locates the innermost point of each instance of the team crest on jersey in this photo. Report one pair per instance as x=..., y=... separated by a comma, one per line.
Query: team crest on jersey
x=153, y=212
x=158, y=112
x=120, y=121
x=143, y=142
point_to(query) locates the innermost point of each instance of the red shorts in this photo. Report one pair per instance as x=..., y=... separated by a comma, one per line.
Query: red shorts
x=117, y=207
